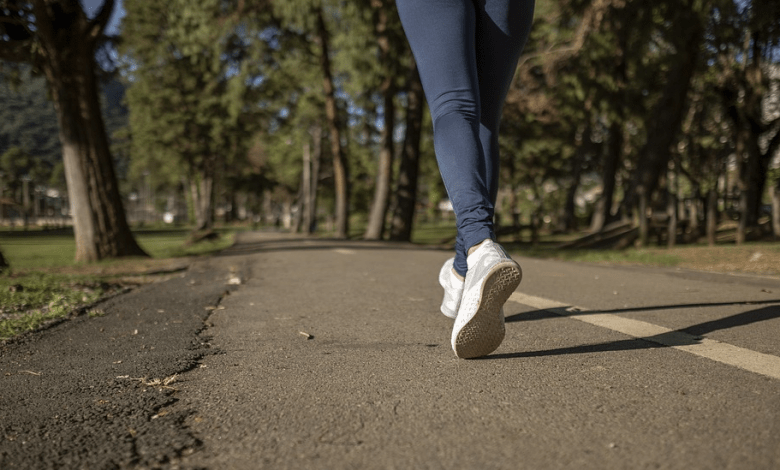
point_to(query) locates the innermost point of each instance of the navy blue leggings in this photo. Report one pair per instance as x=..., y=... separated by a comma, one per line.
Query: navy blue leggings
x=467, y=52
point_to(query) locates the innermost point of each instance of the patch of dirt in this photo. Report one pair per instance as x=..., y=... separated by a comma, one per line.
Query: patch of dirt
x=762, y=259
x=126, y=267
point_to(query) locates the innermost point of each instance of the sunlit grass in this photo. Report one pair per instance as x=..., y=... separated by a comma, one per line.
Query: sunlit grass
x=29, y=300
x=45, y=283
x=42, y=250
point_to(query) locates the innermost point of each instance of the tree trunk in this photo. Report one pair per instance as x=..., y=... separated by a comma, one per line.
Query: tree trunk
x=406, y=191
x=316, y=158
x=569, y=220
x=311, y=173
x=744, y=218
x=643, y=219
x=202, y=193
x=693, y=217
x=26, y=201
x=757, y=174
x=384, y=176
x=608, y=177
x=712, y=216
x=269, y=214
x=664, y=121
x=3, y=263
x=378, y=214
x=671, y=213
x=340, y=165
x=305, y=201
x=776, y=210
x=99, y=220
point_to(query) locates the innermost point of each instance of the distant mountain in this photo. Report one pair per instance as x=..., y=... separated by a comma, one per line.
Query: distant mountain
x=28, y=120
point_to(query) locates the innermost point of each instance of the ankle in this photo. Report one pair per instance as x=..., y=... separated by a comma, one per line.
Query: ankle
x=476, y=246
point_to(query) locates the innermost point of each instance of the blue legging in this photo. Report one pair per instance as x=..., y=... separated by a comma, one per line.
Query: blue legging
x=467, y=52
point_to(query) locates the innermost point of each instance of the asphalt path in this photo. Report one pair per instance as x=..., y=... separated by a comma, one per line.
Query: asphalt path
x=333, y=354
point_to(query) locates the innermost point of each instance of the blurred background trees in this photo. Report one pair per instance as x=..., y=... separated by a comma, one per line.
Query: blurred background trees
x=628, y=120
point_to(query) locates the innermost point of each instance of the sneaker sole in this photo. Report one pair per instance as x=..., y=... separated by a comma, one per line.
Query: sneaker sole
x=485, y=331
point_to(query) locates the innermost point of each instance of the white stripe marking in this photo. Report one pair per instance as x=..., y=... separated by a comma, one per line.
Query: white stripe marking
x=760, y=363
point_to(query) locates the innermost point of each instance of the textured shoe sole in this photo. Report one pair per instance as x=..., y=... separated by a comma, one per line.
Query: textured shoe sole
x=485, y=331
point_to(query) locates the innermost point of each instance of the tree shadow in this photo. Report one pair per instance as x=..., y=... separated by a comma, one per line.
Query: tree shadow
x=524, y=316
x=682, y=337
x=244, y=248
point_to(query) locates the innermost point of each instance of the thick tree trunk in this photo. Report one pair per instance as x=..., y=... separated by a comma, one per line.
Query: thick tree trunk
x=664, y=121
x=340, y=165
x=406, y=191
x=68, y=40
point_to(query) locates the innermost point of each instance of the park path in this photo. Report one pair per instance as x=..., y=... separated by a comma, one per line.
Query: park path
x=333, y=355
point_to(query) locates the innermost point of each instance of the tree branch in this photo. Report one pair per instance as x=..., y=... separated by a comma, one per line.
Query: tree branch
x=591, y=20
x=18, y=53
x=774, y=143
x=99, y=22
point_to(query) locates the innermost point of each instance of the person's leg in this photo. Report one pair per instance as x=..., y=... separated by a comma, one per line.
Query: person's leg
x=442, y=37
x=502, y=29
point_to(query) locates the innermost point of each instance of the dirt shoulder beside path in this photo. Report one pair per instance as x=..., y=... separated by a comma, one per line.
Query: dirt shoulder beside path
x=94, y=392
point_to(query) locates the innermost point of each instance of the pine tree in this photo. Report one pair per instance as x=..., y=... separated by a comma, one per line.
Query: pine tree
x=193, y=74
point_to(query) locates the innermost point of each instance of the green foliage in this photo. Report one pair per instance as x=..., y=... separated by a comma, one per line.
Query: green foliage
x=193, y=74
x=28, y=123
x=27, y=119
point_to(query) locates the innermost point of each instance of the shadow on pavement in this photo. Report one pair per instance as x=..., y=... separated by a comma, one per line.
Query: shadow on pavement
x=681, y=337
x=248, y=246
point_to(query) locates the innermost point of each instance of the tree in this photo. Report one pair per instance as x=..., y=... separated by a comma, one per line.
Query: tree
x=3, y=263
x=335, y=127
x=389, y=38
x=663, y=124
x=192, y=78
x=58, y=39
x=406, y=189
x=745, y=83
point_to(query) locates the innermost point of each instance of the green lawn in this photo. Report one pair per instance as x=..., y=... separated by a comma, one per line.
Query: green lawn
x=45, y=250
x=44, y=282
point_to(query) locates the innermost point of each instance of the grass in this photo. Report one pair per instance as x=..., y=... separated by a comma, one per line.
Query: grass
x=762, y=258
x=44, y=282
x=30, y=300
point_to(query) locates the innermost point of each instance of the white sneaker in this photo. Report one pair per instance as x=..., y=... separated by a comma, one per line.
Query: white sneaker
x=453, y=289
x=492, y=277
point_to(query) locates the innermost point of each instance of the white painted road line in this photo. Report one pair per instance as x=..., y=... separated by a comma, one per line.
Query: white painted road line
x=760, y=363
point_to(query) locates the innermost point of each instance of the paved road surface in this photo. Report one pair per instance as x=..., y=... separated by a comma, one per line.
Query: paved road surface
x=334, y=355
